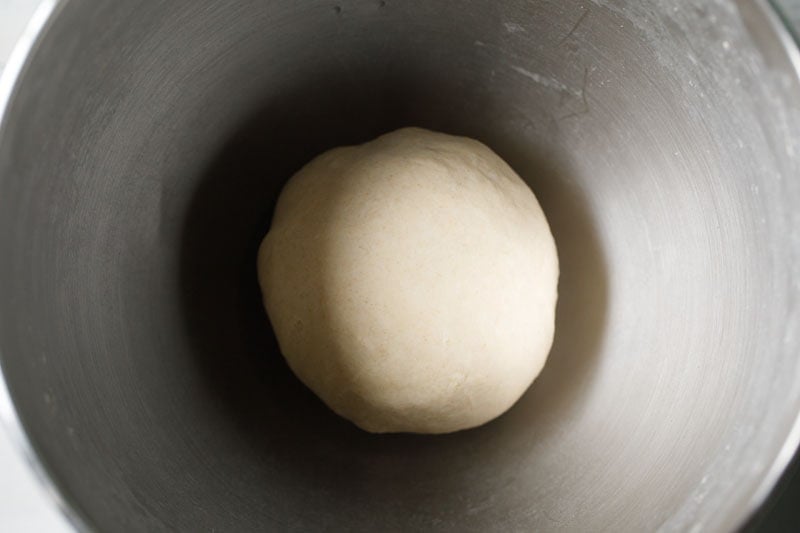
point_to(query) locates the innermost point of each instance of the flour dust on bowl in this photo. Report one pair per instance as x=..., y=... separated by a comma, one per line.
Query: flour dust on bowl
x=142, y=147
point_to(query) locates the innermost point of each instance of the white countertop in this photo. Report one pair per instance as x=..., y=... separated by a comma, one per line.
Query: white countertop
x=24, y=505
x=14, y=14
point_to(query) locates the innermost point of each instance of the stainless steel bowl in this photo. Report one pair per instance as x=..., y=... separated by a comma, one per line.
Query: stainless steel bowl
x=142, y=148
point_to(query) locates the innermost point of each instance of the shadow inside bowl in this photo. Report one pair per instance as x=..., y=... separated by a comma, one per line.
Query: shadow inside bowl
x=294, y=434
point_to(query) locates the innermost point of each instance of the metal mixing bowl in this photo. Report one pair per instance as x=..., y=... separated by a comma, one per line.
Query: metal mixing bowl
x=143, y=146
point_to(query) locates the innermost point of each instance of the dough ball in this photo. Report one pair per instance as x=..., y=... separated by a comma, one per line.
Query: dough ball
x=411, y=282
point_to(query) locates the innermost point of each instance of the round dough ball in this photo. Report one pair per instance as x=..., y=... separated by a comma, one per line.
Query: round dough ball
x=411, y=282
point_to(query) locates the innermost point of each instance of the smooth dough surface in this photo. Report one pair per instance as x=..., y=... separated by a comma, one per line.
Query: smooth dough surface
x=411, y=282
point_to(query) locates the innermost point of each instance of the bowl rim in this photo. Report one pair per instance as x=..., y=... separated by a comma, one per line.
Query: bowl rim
x=44, y=14
x=777, y=28
x=781, y=29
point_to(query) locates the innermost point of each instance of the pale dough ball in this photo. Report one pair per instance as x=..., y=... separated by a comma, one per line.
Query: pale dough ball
x=411, y=282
